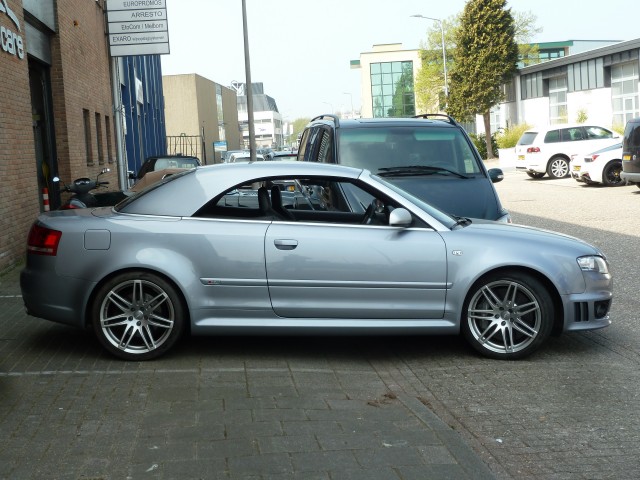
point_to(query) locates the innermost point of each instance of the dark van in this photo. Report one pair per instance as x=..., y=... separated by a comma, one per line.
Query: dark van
x=430, y=156
x=631, y=152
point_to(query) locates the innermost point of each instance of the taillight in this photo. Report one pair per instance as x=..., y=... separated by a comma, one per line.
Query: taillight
x=43, y=240
x=591, y=158
x=533, y=150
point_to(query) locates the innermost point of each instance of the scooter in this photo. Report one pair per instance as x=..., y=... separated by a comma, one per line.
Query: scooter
x=83, y=196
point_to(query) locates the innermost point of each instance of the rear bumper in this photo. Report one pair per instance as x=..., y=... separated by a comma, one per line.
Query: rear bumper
x=54, y=298
x=631, y=177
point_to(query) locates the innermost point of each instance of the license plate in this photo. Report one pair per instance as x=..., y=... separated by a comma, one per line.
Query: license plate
x=576, y=168
x=520, y=157
x=626, y=156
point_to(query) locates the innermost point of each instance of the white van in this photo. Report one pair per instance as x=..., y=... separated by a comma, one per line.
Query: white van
x=548, y=150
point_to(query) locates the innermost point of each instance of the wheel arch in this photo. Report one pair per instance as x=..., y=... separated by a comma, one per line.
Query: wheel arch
x=111, y=275
x=558, y=310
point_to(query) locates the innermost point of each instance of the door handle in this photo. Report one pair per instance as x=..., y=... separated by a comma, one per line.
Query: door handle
x=282, y=244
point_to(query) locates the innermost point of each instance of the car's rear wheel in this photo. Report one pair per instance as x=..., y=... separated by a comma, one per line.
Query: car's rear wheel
x=558, y=167
x=507, y=315
x=535, y=174
x=138, y=316
x=611, y=174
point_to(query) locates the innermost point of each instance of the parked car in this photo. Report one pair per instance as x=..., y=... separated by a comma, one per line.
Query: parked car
x=548, y=150
x=285, y=155
x=152, y=268
x=161, y=162
x=631, y=152
x=602, y=166
x=226, y=156
x=430, y=156
x=244, y=157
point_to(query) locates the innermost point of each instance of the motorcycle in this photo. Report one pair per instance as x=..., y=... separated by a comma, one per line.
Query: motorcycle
x=82, y=193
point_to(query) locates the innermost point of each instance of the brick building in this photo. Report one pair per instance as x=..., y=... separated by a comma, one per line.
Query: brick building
x=56, y=114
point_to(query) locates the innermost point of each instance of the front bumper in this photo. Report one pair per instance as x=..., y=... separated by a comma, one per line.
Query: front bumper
x=589, y=310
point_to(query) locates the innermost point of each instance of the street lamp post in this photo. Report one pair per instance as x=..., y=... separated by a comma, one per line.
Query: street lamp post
x=351, y=97
x=444, y=53
x=330, y=106
x=249, y=90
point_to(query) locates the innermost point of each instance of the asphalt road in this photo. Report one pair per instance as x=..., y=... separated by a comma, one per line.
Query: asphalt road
x=334, y=408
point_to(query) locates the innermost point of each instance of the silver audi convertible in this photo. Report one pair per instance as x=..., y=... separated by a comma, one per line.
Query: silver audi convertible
x=278, y=247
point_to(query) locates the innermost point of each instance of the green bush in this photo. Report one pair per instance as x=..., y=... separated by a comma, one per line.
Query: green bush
x=508, y=137
x=479, y=140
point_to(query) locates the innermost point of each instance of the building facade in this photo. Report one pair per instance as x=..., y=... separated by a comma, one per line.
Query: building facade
x=599, y=85
x=268, y=125
x=201, y=117
x=56, y=109
x=387, y=81
x=142, y=101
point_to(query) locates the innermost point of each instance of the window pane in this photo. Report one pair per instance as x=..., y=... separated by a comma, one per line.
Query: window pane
x=396, y=67
x=376, y=79
x=386, y=67
x=375, y=68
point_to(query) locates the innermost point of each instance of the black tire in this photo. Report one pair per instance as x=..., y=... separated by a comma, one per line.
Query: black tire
x=535, y=175
x=611, y=174
x=138, y=316
x=558, y=167
x=507, y=315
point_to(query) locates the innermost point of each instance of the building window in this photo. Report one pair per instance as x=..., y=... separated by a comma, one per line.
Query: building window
x=531, y=86
x=107, y=126
x=221, y=130
x=624, y=92
x=558, y=100
x=392, y=89
x=87, y=135
x=585, y=75
x=494, y=118
x=99, y=139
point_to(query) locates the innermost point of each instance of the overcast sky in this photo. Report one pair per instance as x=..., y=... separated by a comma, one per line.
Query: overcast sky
x=300, y=50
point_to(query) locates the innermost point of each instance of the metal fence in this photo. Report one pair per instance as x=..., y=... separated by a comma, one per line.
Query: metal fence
x=186, y=145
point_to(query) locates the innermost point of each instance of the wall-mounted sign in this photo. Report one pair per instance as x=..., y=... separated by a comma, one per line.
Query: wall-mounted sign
x=137, y=27
x=10, y=41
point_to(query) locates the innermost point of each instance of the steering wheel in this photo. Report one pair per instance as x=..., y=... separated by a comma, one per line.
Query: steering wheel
x=375, y=207
x=369, y=213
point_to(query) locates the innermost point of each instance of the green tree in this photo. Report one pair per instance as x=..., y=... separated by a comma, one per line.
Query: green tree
x=429, y=84
x=486, y=57
x=298, y=127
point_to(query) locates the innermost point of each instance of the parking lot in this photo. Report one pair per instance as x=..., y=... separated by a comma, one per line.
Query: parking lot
x=348, y=407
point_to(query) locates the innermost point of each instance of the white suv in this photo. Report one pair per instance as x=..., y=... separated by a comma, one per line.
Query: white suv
x=549, y=149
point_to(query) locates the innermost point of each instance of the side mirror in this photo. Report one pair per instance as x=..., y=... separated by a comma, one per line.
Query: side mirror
x=400, y=217
x=496, y=175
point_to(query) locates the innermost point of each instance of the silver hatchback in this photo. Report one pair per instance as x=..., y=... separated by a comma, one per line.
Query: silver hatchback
x=222, y=249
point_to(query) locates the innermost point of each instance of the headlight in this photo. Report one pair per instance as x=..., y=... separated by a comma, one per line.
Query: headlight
x=593, y=263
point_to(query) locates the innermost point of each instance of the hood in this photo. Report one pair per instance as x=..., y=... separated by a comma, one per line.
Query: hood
x=524, y=233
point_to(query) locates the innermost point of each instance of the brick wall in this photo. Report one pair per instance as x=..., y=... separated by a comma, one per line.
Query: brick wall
x=80, y=80
x=19, y=202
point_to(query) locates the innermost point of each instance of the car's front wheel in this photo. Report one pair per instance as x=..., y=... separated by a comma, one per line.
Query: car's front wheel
x=138, y=316
x=507, y=315
x=558, y=167
x=611, y=174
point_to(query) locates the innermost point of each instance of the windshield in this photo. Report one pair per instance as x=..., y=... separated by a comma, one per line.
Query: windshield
x=393, y=147
x=442, y=217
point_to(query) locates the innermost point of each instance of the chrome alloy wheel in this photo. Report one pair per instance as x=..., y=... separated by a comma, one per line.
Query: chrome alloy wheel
x=504, y=317
x=559, y=167
x=136, y=316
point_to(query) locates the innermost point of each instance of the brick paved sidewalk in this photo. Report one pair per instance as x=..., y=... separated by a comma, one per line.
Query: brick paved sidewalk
x=69, y=411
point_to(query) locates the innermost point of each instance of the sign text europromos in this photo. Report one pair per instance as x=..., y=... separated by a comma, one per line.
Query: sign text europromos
x=137, y=27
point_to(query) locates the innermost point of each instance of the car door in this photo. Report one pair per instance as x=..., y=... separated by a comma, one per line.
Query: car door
x=332, y=268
